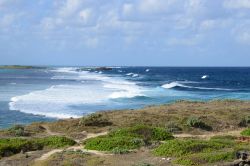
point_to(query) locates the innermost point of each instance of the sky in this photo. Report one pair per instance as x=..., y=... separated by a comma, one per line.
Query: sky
x=125, y=32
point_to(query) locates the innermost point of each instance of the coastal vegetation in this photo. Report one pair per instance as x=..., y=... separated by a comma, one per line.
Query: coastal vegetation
x=10, y=146
x=181, y=133
x=246, y=132
x=124, y=139
x=198, y=152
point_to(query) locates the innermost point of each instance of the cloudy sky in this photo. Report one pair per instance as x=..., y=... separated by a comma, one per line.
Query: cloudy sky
x=125, y=32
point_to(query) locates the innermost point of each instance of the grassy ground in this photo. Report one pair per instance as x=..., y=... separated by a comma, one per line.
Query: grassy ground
x=148, y=133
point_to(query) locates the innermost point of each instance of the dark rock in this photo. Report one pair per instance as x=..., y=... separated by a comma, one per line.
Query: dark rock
x=103, y=68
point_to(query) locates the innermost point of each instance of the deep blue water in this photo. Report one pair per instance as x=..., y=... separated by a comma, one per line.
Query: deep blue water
x=56, y=92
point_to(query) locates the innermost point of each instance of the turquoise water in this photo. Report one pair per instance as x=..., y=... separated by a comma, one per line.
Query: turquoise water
x=62, y=92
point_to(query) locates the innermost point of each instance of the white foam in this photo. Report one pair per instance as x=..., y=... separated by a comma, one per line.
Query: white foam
x=129, y=74
x=66, y=70
x=204, y=77
x=135, y=75
x=147, y=70
x=178, y=84
x=132, y=74
x=171, y=85
x=124, y=90
x=57, y=101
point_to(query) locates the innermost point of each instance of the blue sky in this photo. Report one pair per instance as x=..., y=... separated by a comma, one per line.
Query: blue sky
x=125, y=32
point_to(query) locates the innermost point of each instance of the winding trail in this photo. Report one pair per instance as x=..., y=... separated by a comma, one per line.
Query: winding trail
x=209, y=135
x=79, y=147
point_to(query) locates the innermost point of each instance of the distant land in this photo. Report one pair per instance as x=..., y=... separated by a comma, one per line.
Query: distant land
x=20, y=67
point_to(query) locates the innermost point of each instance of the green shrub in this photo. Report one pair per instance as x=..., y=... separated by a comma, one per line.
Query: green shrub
x=128, y=138
x=202, y=158
x=18, y=131
x=184, y=161
x=224, y=137
x=244, y=122
x=107, y=143
x=144, y=132
x=119, y=151
x=246, y=132
x=95, y=120
x=197, y=123
x=55, y=141
x=177, y=148
x=173, y=127
x=16, y=145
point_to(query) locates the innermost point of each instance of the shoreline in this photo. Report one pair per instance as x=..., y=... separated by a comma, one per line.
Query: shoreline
x=54, y=119
x=196, y=121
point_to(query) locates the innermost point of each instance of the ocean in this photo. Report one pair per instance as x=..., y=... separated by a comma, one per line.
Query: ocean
x=51, y=93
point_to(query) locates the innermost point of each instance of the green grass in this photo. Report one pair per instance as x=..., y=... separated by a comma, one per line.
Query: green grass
x=198, y=152
x=128, y=138
x=178, y=148
x=198, y=123
x=144, y=132
x=224, y=137
x=107, y=143
x=95, y=119
x=246, y=132
x=16, y=145
x=12, y=146
x=205, y=158
x=118, y=150
x=55, y=141
x=18, y=131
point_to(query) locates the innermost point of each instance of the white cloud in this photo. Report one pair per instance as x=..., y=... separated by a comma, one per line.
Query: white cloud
x=85, y=15
x=242, y=33
x=151, y=6
x=182, y=22
x=127, y=9
x=70, y=7
x=236, y=4
x=185, y=41
x=212, y=24
x=7, y=20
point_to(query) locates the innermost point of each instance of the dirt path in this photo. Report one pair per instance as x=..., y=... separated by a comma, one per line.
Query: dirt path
x=80, y=147
x=209, y=135
x=49, y=132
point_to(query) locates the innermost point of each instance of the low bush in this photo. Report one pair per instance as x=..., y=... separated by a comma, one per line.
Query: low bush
x=144, y=132
x=244, y=122
x=143, y=164
x=119, y=151
x=55, y=141
x=177, y=148
x=16, y=145
x=18, y=131
x=246, y=132
x=224, y=137
x=128, y=138
x=198, y=123
x=173, y=127
x=204, y=158
x=95, y=120
x=107, y=143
